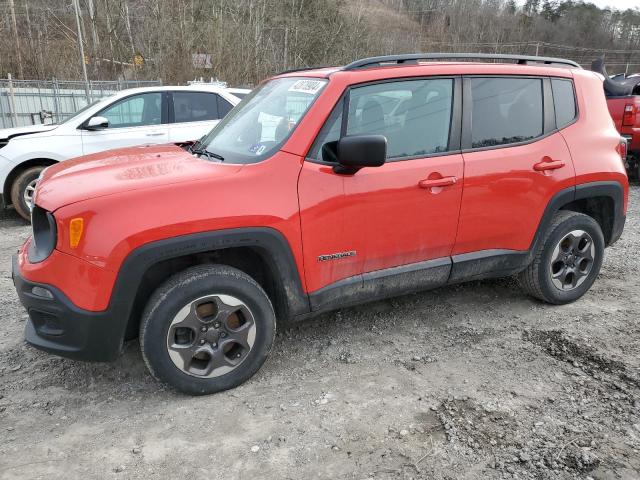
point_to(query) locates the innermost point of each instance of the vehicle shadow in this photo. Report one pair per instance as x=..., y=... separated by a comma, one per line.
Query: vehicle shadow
x=295, y=343
x=10, y=218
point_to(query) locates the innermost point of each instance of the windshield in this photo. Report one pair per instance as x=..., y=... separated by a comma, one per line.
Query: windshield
x=83, y=109
x=265, y=118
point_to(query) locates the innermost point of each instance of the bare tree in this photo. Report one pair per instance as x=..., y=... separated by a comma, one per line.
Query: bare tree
x=251, y=39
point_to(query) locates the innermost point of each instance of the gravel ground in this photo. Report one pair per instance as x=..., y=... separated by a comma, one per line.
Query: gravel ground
x=465, y=382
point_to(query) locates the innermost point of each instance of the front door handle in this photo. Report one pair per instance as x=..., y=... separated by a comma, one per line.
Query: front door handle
x=548, y=164
x=154, y=134
x=437, y=182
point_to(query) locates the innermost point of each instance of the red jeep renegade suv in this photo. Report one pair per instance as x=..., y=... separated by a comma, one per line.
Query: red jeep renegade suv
x=325, y=188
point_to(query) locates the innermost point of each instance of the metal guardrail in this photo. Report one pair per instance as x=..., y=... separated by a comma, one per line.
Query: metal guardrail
x=29, y=102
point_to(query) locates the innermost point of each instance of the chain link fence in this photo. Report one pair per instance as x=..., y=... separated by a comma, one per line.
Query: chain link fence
x=31, y=102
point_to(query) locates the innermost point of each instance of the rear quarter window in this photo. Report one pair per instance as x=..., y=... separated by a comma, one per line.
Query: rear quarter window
x=564, y=101
x=224, y=107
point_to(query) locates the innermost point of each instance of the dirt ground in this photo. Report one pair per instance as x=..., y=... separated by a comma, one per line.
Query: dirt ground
x=475, y=381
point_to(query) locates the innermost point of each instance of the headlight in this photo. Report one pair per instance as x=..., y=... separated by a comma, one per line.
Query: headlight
x=45, y=234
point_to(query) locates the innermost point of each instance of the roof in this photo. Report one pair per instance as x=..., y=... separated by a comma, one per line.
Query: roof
x=456, y=61
x=201, y=87
x=417, y=57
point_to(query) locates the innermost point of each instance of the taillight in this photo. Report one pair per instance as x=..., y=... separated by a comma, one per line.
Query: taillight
x=622, y=148
x=629, y=117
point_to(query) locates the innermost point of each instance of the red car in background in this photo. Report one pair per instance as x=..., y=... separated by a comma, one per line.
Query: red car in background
x=623, y=99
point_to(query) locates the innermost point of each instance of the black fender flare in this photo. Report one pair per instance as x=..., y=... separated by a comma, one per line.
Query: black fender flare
x=611, y=189
x=272, y=245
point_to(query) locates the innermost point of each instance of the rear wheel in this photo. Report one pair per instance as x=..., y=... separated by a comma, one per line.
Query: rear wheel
x=207, y=329
x=567, y=261
x=23, y=189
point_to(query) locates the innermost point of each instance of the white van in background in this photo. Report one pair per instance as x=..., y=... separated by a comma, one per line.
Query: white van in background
x=131, y=117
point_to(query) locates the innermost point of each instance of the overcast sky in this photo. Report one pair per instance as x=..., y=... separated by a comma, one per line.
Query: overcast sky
x=619, y=4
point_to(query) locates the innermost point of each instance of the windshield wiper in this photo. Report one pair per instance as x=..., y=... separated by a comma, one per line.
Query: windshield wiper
x=207, y=153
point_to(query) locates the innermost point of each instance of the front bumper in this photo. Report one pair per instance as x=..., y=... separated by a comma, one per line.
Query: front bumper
x=6, y=166
x=57, y=326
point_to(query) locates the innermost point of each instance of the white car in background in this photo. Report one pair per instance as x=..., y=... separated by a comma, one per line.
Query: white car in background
x=131, y=117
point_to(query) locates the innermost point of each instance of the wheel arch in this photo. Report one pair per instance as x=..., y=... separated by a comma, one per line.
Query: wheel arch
x=261, y=252
x=18, y=169
x=603, y=201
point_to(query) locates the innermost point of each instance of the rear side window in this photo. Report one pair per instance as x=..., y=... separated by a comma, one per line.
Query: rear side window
x=505, y=110
x=564, y=101
x=194, y=106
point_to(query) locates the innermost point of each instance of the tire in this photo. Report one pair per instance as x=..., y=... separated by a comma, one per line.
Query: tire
x=22, y=182
x=207, y=329
x=567, y=261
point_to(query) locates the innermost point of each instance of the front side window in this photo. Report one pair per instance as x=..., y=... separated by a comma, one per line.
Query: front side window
x=135, y=111
x=194, y=107
x=325, y=147
x=259, y=125
x=413, y=115
x=505, y=110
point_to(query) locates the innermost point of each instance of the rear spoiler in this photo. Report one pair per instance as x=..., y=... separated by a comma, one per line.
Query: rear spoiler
x=613, y=88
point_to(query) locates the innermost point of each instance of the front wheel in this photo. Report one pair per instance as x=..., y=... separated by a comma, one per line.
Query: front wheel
x=207, y=329
x=567, y=261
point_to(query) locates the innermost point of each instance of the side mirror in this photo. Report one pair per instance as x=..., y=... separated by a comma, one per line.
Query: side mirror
x=359, y=151
x=96, y=123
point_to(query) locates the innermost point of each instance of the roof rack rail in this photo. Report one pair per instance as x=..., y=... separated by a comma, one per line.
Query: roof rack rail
x=415, y=57
x=301, y=69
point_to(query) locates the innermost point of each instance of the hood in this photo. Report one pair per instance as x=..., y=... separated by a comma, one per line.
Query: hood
x=126, y=169
x=7, y=133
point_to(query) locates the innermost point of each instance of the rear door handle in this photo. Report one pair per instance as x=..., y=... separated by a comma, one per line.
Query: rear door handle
x=154, y=134
x=548, y=164
x=437, y=182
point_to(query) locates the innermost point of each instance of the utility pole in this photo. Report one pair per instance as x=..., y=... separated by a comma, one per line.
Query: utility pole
x=76, y=6
x=286, y=48
x=94, y=35
x=15, y=29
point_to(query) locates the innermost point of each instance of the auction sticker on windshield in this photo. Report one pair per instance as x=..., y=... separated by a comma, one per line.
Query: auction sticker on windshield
x=307, y=86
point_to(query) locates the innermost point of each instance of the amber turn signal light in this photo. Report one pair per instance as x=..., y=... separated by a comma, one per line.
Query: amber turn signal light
x=76, y=226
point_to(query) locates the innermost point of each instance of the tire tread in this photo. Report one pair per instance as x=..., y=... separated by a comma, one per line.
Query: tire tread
x=16, y=194
x=177, y=281
x=529, y=278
